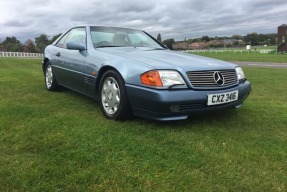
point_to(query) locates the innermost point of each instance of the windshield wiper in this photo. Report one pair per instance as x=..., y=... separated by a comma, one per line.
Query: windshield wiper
x=103, y=46
x=159, y=48
x=156, y=48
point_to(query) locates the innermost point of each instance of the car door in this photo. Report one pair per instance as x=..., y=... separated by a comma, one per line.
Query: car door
x=68, y=65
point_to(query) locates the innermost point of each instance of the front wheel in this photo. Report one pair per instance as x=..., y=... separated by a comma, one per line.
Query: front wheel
x=50, y=81
x=114, y=100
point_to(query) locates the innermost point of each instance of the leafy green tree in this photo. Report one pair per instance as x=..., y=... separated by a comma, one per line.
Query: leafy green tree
x=271, y=39
x=189, y=40
x=55, y=38
x=216, y=45
x=252, y=39
x=41, y=42
x=168, y=43
x=236, y=43
x=237, y=37
x=205, y=38
x=29, y=47
x=196, y=40
x=257, y=39
x=12, y=44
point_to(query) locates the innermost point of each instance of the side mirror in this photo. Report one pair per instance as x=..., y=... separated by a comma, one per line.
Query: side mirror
x=74, y=45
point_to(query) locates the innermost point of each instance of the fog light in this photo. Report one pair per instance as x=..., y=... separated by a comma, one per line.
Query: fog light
x=174, y=108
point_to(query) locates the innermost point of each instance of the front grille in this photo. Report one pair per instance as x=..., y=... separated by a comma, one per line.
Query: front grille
x=204, y=79
x=191, y=106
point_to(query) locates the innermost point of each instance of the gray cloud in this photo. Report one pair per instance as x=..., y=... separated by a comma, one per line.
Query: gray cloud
x=14, y=23
x=178, y=19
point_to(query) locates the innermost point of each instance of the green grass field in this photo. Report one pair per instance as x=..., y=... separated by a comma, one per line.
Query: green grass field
x=252, y=57
x=60, y=141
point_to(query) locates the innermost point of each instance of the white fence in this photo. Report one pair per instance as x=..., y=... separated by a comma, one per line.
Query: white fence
x=20, y=54
x=231, y=51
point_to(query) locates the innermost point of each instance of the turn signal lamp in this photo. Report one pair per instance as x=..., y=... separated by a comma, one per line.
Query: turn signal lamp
x=151, y=78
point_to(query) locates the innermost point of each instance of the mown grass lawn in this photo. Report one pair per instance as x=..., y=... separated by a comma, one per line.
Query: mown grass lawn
x=252, y=57
x=61, y=141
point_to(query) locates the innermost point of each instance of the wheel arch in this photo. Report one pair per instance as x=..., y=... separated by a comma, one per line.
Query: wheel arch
x=45, y=64
x=102, y=72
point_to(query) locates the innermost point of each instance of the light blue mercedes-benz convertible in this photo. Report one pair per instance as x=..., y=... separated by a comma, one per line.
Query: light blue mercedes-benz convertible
x=131, y=73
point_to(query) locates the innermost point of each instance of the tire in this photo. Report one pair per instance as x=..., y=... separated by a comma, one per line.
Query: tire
x=113, y=97
x=50, y=81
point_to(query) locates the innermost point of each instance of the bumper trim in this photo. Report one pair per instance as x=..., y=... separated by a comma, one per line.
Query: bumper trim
x=160, y=104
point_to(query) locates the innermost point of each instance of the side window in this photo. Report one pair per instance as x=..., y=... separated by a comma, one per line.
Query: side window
x=61, y=43
x=76, y=34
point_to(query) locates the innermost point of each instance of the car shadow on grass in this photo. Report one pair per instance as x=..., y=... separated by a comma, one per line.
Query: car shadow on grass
x=194, y=121
x=215, y=118
x=77, y=95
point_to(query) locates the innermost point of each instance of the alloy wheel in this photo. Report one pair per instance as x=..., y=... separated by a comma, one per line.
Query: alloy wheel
x=49, y=76
x=110, y=95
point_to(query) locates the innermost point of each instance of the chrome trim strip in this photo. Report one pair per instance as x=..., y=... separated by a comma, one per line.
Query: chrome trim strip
x=74, y=71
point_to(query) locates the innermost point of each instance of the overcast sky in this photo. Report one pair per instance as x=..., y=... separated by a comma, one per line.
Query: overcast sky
x=177, y=19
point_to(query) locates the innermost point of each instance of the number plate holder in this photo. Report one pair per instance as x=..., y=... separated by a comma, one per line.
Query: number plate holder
x=221, y=98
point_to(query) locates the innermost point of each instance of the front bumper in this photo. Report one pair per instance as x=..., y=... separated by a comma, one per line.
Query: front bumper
x=178, y=104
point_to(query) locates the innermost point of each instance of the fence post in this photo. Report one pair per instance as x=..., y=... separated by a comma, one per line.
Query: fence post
x=20, y=54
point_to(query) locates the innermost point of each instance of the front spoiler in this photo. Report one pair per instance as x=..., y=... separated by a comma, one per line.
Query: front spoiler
x=160, y=104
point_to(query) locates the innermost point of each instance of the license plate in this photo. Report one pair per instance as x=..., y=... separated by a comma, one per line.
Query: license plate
x=216, y=99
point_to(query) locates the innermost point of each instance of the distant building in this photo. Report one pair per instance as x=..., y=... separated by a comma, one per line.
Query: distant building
x=189, y=46
x=180, y=46
x=281, y=38
x=186, y=45
x=229, y=41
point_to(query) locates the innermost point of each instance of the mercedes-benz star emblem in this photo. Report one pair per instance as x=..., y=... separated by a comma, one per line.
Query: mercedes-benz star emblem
x=218, y=78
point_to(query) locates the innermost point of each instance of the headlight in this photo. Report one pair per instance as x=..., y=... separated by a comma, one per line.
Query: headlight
x=240, y=73
x=162, y=78
x=169, y=78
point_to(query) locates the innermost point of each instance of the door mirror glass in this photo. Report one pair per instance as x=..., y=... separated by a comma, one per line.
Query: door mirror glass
x=73, y=45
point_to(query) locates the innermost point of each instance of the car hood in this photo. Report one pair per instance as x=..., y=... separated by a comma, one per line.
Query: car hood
x=167, y=59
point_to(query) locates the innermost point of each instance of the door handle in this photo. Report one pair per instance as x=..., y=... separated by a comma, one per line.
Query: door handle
x=58, y=54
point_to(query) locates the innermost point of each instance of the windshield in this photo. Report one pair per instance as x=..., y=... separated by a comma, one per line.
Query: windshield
x=121, y=37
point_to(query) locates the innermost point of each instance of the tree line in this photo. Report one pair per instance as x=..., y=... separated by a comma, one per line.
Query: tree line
x=12, y=44
x=238, y=40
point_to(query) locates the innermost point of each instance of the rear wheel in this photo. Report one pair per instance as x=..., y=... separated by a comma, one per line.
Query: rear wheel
x=50, y=81
x=114, y=100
